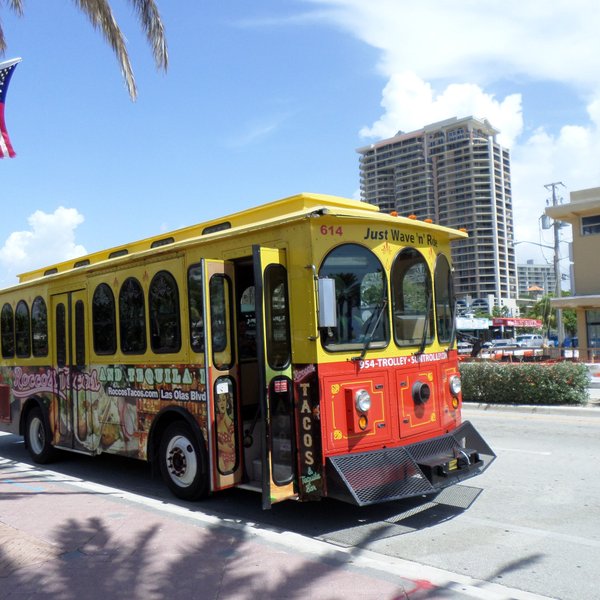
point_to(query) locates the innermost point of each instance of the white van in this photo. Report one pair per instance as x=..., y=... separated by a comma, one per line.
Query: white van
x=530, y=340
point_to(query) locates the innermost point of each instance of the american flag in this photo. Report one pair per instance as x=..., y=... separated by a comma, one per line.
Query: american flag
x=6, y=71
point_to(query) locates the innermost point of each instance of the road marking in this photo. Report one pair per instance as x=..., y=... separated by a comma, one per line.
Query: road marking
x=541, y=533
x=521, y=451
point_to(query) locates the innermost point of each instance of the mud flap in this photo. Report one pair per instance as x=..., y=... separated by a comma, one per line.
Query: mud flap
x=422, y=468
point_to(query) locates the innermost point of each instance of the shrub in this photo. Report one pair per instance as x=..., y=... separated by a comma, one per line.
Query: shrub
x=524, y=383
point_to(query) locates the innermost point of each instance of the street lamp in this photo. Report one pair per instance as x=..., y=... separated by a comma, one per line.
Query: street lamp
x=534, y=243
x=558, y=285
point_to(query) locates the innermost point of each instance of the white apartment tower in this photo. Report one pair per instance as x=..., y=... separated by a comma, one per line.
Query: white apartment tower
x=534, y=278
x=455, y=173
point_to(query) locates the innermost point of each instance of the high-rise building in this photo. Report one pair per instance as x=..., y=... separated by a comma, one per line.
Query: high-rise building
x=536, y=278
x=457, y=174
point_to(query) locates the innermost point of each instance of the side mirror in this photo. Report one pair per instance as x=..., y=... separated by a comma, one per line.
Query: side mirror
x=327, y=304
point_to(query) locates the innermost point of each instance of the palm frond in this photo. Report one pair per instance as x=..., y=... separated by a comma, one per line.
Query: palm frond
x=100, y=15
x=17, y=7
x=102, y=18
x=152, y=25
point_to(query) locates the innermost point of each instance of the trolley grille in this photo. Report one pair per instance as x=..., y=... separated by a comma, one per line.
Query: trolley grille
x=422, y=468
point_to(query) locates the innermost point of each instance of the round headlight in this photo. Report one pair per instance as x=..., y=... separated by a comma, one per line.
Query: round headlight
x=362, y=401
x=455, y=385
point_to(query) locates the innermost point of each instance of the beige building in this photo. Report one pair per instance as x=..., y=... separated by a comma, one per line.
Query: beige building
x=583, y=213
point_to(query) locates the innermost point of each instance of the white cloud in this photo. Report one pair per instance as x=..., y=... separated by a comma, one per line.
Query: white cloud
x=476, y=40
x=50, y=239
x=256, y=131
x=410, y=103
x=441, y=58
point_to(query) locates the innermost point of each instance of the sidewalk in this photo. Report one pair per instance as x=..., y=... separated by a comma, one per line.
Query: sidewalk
x=65, y=538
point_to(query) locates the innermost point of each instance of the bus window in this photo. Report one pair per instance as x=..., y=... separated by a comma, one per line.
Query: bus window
x=165, y=326
x=132, y=317
x=8, y=331
x=361, y=299
x=79, y=333
x=22, y=330
x=279, y=352
x=39, y=327
x=220, y=321
x=196, y=308
x=103, y=320
x=444, y=298
x=411, y=299
x=226, y=425
x=247, y=325
x=282, y=429
x=61, y=335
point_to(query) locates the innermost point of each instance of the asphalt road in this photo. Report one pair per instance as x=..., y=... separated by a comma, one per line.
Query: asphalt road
x=531, y=522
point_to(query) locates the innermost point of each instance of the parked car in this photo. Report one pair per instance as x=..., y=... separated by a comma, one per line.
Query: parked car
x=464, y=348
x=504, y=344
x=530, y=340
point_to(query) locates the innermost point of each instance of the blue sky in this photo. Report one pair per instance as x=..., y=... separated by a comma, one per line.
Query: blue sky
x=266, y=99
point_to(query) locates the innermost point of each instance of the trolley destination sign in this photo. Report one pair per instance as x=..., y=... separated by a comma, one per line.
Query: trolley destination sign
x=402, y=237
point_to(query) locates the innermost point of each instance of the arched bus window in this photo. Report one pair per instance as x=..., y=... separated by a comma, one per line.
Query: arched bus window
x=22, y=330
x=39, y=327
x=132, y=317
x=7, y=330
x=361, y=299
x=60, y=323
x=104, y=320
x=163, y=306
x=279, y=351
x=79, y=333
x=412, y=302
x=444, y=299
x=196, y=308
x=220, y=291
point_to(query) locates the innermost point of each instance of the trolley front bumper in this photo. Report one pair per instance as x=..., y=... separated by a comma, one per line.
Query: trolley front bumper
x=422, y=468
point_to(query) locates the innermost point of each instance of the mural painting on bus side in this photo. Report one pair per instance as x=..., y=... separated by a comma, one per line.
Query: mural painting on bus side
x=306, y=388
x=110, y=408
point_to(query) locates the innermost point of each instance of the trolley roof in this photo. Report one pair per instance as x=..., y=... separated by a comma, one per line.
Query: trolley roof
x=285, y=210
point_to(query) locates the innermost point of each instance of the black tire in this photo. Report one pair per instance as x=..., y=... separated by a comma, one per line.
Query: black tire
x=183, y=462
x=38, y=437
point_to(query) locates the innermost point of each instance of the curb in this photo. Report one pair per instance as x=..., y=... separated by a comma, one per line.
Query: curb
x=589, y=410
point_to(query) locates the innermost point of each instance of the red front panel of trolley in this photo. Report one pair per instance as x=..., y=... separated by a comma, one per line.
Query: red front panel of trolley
x=386, y=402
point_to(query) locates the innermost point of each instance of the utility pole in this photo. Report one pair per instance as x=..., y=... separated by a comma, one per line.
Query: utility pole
x=557, y=274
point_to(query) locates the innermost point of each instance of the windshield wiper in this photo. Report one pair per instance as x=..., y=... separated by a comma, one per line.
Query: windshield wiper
x=426, y=324
x=453, y=330
x=371, y=333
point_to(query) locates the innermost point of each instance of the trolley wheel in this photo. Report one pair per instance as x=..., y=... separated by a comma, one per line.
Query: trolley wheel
x=183, y=462
x=38, y=437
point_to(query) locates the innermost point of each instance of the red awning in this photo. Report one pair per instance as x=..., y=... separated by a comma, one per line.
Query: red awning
x=515, y=322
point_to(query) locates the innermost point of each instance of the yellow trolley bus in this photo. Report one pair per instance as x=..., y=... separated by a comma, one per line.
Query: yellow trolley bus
x=305, y=349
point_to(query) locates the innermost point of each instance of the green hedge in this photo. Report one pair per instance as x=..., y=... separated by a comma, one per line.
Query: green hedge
x=524, y=383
